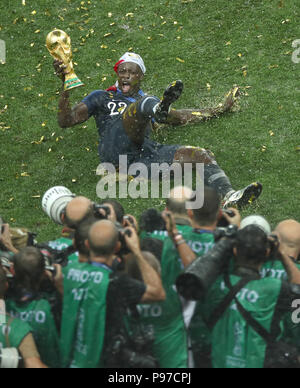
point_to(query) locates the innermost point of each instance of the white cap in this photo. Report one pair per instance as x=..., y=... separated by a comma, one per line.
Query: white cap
x=259, y=221
x=131, y=57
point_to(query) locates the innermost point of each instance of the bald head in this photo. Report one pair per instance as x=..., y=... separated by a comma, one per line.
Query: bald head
x=103, y=238
x=77, y=210
x=289, y=236
x=179, y=196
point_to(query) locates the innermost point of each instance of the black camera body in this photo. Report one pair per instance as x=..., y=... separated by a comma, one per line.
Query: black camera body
x=204, y=271
x=52, y=256
x=101, y=212
x=134, y=351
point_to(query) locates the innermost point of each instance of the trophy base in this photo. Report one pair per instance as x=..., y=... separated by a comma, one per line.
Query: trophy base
x=72, y=83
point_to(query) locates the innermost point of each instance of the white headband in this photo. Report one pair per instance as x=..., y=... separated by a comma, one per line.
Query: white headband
x=131, y=57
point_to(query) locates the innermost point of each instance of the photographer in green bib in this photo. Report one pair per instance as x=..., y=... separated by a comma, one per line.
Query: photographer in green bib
x=27, y=301
x=244, y=310
x=152, y=224
x=17, y=346
x=95, y=297
x=176, y=319
x=288, y=232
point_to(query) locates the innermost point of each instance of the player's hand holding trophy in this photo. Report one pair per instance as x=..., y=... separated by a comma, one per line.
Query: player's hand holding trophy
x=58, y=44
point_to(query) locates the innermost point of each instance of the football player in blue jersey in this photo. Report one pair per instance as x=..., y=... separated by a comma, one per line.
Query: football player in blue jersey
x=125, y=116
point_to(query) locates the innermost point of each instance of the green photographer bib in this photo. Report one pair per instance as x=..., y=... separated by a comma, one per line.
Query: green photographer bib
x=84, y=315
x=17, y=331
x=291, y=331
x=39, y=317
x=167, y=318
x=235, y=344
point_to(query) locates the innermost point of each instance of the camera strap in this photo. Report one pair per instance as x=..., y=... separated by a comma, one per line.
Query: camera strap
x=222, y=307
x=249, y=319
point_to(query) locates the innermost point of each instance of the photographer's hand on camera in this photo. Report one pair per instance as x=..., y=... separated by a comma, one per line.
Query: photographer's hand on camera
x=235, y=219
x=130, y=221
x=291, y=268
x=57, y=279
x=154, y=288
x=132, y=240
x=170, y=224
x=186, y=253
x=5, y=239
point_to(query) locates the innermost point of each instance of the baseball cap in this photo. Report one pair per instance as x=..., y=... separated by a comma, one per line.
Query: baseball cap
x=257, y=220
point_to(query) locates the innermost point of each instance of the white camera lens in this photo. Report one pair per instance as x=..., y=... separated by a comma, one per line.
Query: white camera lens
x=55, y=201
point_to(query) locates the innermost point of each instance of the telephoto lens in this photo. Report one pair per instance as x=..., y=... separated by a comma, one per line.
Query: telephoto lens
x=55, y=201
x=10, y=359
x=204, y=271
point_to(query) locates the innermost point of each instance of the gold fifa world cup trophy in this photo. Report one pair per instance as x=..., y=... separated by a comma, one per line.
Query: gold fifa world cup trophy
x=58, y=44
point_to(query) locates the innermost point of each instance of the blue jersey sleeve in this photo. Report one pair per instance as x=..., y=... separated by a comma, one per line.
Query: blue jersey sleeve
x=95, y=101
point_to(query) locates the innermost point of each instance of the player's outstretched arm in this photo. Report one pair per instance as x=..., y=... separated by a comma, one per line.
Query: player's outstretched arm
x=68, y=116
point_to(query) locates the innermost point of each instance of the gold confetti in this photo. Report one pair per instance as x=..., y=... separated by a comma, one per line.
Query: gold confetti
x=228, y=43
x=271, y=133
x=24, y=174
x=33, y=12
x=263, y=149
x=180, y=60
x=39, y=142
x=107, y=35
x=208, y=86
x=11, y=199
x=240, y=55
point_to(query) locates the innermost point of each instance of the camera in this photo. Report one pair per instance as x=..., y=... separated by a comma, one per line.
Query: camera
x=10, y=358
x=101, y=212
x=133, y=352
x=152, y=220
x=222, y=221
x=52, y=256
x=122, y=233
x=6, y=264
x=204, y=271
x=55, y=201
x=221, y=232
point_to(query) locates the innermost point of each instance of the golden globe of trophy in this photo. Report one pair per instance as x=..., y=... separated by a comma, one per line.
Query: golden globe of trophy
x=58, y=44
